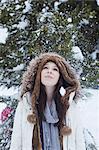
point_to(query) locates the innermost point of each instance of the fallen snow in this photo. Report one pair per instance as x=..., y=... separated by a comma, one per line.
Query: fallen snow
x=77, y=53
x=97, y=2
x=3, y=34
x=89, y=108
x=4, y=91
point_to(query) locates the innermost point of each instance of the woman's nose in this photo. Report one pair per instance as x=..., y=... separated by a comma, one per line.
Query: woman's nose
x=49, y=71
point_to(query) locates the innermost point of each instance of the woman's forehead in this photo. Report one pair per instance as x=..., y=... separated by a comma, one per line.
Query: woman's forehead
x=51, y=63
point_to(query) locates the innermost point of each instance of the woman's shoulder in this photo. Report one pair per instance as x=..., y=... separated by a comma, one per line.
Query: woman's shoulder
x=27, y=95
x=26, y=100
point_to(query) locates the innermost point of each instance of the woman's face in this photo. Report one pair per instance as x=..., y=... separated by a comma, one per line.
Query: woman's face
x=50, y=74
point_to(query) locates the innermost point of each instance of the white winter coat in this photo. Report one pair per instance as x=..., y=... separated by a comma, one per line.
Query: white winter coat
x=23, y=130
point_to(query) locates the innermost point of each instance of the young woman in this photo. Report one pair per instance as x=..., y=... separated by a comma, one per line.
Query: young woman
x=46, y=117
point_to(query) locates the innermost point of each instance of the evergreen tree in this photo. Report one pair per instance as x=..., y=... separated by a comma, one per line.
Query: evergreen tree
x=40, y=26
x=85, y=17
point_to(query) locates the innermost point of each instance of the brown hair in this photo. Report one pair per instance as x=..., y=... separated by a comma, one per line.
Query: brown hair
x=60, y=106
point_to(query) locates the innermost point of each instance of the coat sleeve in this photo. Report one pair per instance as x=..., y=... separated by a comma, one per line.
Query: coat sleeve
x=16, y=134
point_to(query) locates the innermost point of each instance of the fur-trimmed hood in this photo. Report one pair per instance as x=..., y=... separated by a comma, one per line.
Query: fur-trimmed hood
x=32, y=78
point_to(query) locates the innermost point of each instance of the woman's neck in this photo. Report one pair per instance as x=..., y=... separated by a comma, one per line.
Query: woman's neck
x=49, y=92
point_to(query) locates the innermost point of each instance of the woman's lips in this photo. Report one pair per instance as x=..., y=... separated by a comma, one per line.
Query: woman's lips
x=50, y=77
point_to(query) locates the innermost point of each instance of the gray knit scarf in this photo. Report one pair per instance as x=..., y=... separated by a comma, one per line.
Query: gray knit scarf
x=50, y=132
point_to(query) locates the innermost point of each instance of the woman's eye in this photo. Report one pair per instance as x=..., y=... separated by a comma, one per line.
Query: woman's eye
x=45, y=67
x=56, y=69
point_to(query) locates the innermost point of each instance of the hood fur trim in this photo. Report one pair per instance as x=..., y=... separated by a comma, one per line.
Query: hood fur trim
x=31, y=78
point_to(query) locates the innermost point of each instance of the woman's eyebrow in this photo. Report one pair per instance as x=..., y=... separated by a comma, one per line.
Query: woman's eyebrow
x=55, y=66
x=45, y=65
x=49, y=64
